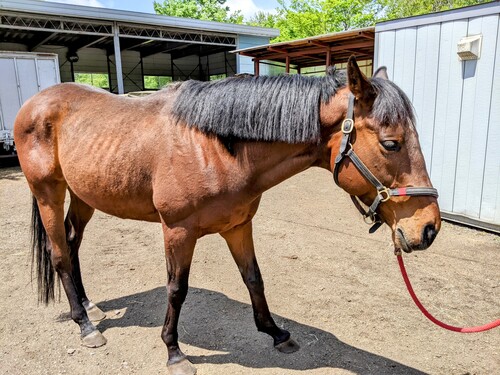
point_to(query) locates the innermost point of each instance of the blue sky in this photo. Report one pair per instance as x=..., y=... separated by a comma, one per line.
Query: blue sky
x=248, y=7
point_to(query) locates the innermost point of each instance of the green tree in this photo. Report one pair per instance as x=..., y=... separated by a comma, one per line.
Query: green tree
x=211, y=10
x=398, y=9
x=303, y=18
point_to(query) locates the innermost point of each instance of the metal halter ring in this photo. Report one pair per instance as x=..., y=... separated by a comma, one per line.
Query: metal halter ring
x=384, y=194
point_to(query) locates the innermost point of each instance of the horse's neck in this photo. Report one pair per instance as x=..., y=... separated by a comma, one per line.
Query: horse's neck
x=273, y=162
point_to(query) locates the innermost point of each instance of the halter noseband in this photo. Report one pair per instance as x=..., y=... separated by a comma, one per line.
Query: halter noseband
x=383, y=192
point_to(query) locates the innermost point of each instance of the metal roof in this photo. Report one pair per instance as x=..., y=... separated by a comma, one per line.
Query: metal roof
x=443, y=16
x=314, y=51
x=113, y=15
x=35, y=23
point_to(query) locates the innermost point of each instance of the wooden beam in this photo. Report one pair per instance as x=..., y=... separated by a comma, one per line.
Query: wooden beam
x=278, y=50
x=287, y=64
x=256, y=67
x=317, y=43
x=309, y=51
x=328, y=61
x=364, y=34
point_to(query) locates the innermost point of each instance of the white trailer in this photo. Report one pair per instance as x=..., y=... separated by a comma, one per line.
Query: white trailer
x=22, y=75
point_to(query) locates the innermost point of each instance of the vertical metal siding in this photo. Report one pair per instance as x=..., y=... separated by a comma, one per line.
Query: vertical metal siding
x=476, y=100
x=447, y=119
x=490, y=202
x=404, y=59
x=425, y=85
x=457, y=106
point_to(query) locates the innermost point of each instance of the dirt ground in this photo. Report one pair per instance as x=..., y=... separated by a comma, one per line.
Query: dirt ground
x=335, y=287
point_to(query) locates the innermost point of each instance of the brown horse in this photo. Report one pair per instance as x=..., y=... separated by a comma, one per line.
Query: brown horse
x=197, y=156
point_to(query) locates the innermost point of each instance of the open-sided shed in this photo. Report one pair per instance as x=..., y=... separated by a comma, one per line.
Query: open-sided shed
x=126, y=46
x=322, y=50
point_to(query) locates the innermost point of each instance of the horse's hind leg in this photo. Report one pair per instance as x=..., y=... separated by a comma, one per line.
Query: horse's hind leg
x=79, y=214
x=240, y=242
x=50, y=199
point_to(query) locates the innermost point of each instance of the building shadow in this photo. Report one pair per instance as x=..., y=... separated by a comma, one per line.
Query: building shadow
x=212, y=321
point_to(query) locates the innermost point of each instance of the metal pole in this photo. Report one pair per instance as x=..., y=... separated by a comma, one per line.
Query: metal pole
x=142, y=73
x=118, y=59
x=109, y=71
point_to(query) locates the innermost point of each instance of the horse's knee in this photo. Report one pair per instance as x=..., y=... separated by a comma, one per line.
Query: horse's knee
x=177, y=293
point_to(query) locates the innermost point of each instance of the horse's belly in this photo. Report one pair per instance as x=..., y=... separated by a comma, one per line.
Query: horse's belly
x=124, y=195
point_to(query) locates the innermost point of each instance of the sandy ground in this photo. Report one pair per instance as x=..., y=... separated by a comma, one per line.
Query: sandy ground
x=334, y=286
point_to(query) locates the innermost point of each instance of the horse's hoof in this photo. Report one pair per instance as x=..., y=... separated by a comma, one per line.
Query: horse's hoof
x=94, y=340
x=94, y=313
x=183, y=367
x=288, y=346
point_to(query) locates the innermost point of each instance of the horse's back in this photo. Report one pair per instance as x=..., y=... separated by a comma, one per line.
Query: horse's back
x=94, y=141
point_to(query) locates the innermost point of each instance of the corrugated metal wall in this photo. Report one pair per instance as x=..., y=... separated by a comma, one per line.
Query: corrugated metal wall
x=457, y=104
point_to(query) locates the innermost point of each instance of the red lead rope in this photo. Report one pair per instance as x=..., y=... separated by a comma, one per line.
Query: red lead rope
x=482, y=328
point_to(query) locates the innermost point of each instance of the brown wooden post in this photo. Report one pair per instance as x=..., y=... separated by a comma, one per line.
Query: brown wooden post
x=298, y=69
x=256, y=67
x=328, y=57
x=287, y=67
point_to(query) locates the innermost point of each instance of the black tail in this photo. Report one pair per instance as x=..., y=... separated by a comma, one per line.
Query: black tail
x=41, y=255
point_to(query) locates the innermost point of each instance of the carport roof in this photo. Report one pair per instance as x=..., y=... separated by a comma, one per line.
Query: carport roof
x=68, y=10
x=314, y=51
x=35, y=23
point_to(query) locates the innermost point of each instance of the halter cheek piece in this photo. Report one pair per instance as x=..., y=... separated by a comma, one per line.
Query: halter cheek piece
x=383, y=192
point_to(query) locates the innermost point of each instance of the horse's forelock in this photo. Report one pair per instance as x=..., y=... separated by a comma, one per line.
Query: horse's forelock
x=391, y=106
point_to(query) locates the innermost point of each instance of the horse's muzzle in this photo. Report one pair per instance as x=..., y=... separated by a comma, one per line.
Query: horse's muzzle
x=429, y=233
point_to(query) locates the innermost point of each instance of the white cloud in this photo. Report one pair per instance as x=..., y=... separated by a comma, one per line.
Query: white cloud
x=89, y=3
x=247, y=7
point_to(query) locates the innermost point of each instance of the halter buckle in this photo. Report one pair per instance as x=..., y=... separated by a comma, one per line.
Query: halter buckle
x=347, y=125
x=384, y=194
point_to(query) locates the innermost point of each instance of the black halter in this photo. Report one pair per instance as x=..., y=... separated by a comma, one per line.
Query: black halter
x=383, y=192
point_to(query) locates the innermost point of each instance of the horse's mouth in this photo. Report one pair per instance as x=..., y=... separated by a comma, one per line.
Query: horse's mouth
x=404, y=244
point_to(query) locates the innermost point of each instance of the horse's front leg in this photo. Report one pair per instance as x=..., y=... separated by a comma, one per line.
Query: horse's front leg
x=240, y=242
x=179, y=247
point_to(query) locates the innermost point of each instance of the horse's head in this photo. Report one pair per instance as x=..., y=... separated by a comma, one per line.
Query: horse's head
x=384, y=140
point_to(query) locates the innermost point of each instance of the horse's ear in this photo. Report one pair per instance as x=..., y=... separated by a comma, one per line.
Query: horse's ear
x=359, y=85
x=381, y=73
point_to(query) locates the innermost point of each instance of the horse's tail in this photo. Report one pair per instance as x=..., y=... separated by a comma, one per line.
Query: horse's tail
x=40, y=254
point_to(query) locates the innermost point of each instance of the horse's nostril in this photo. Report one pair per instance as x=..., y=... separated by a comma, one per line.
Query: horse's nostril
x=429, y=234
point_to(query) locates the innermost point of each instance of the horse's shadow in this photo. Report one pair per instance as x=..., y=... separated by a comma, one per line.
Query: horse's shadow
x=213, y=321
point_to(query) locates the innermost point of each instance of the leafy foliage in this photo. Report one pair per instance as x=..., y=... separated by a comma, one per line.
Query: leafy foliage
x=94, y=79
x=304, y=18
x=398, y=9
x=211, y=10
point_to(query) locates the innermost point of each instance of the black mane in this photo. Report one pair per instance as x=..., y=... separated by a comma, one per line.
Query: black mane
x=277, y=108
x=280, y=108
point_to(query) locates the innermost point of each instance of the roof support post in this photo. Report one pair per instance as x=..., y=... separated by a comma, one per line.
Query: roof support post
x=118, y=59
x=328, y=58
x=256, y=63
x=287, y=67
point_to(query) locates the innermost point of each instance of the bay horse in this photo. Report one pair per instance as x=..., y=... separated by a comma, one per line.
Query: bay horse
x=197, y=156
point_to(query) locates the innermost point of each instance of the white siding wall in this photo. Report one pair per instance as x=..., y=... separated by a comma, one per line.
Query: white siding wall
x=457, y=105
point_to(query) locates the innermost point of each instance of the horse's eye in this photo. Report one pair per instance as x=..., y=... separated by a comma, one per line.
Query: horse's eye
x=391, y=145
